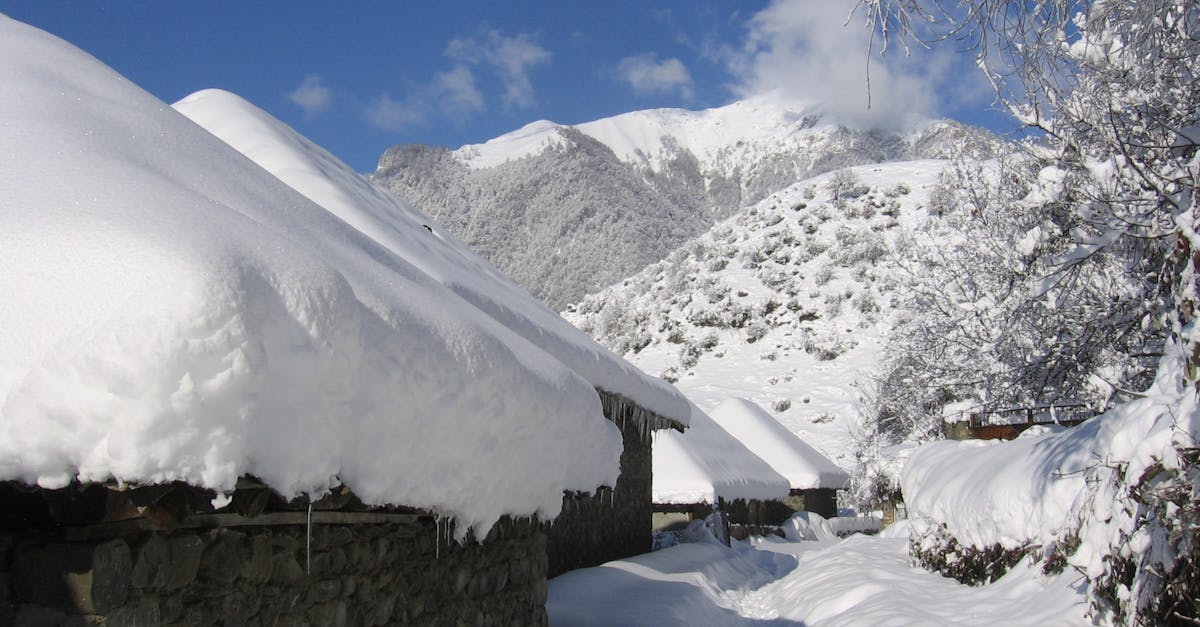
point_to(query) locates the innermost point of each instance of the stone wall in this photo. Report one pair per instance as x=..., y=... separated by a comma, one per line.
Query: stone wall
x=613, y=523
x=397, y=570
x=821, y=501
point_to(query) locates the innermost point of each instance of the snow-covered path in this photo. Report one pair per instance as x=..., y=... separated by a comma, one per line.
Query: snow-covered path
x=862, y=580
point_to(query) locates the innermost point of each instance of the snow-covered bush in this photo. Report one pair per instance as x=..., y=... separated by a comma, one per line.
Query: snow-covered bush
x=844, y=185
x=689, y=355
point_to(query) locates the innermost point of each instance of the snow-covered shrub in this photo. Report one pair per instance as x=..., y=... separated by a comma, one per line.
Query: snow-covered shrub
x=705, y=318
x=782, y=405
x=865, y=303
x=844, y=185
x=755, y=331
x=828, y=345
x=689, y=355
x=824, y=274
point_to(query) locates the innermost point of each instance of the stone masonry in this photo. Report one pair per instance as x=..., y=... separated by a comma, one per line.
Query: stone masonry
x=396, y=571
x=611, y=524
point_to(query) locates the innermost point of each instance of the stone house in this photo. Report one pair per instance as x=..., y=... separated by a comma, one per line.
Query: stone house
x=813, y=479
x=612, y=523
x=239, y=381
x=707, y=468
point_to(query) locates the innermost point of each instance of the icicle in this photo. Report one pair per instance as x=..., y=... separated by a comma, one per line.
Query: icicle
x=308, y=541
x=437, y=538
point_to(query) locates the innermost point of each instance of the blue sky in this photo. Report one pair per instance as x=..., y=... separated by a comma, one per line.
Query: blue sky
x=358, y=76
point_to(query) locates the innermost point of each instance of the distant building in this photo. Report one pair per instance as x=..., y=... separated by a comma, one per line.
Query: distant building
x=813, y=480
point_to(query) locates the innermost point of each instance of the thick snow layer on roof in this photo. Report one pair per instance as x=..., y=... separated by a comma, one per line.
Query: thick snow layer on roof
x=172, y=311
x=801, y=464
x=706, y=463
x=413, y=236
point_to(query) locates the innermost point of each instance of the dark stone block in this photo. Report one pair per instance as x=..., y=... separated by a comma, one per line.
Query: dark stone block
x=144, y=614
x=170, y=608
x=381, y=611
x=81, y=578
x=285, y=569
x=222, y=558
x=39, y=616
x=151, y=563
x=256, y=567
x=186, y=550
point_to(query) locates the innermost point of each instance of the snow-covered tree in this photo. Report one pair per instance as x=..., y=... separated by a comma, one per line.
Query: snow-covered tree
x=1109, y=86
x=996, y=318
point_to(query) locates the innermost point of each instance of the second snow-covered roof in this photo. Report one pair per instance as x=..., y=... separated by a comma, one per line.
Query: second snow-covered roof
x=706, y=463
x=410, y=234
x=803, y=466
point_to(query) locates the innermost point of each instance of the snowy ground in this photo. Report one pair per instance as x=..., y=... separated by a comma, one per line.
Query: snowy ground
x=862, y=580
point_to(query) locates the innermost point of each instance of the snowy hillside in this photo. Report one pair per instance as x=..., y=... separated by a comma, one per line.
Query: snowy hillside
x=568, y=210
x=785, y=303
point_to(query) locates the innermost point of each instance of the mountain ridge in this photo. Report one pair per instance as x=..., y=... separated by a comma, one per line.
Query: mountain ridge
x=567, y=210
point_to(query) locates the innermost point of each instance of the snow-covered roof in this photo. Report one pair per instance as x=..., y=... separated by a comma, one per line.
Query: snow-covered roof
x=801, y=464
x=706, y=463
x=413, y=236
x=172, y=311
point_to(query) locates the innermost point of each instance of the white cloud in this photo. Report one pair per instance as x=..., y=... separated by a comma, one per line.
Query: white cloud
x=455, y=94
x=818, y=51
x=647, y=75
x=395, y=115
x=455, y=91
x=312, y=96
x=511, y=58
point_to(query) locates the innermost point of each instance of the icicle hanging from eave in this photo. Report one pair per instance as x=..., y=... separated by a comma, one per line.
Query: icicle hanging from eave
x=621, y=410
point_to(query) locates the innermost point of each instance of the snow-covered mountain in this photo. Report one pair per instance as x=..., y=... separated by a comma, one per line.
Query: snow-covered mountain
x=568, y=210
x=785, y=303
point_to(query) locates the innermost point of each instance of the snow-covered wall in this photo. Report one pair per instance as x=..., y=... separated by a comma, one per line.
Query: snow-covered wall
x=172, y=311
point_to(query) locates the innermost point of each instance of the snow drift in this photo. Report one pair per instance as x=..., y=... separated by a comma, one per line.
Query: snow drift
x=172, y=311
x=1056, y=488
